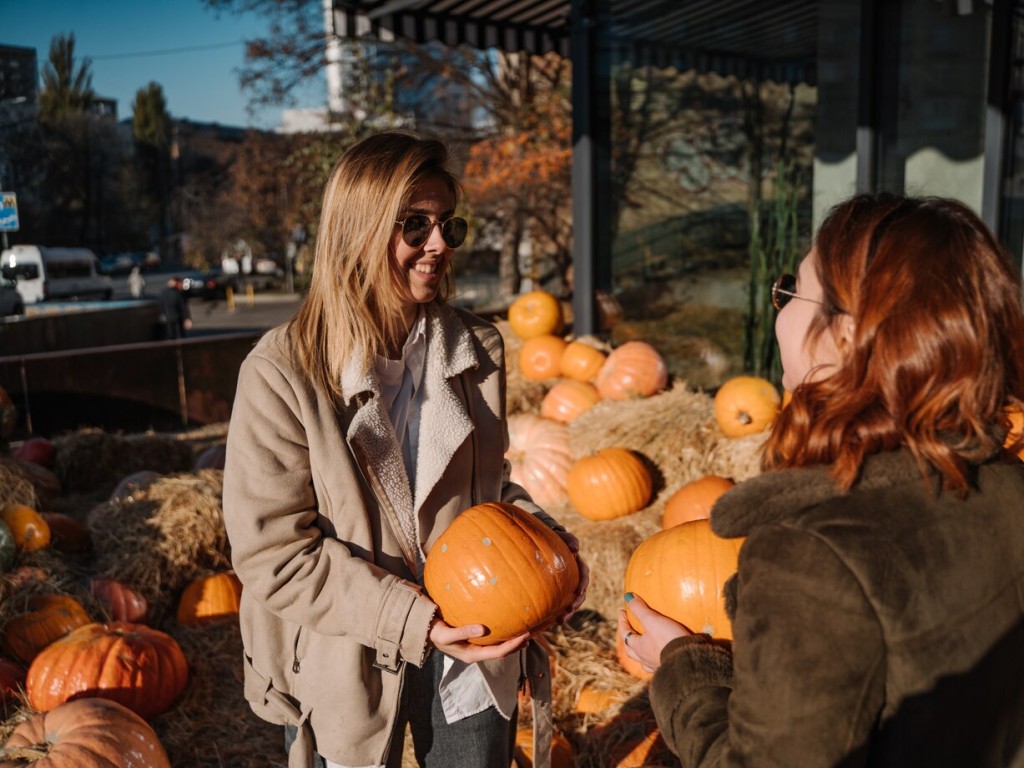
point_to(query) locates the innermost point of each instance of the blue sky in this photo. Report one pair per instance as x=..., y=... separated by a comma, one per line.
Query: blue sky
x=194, y=53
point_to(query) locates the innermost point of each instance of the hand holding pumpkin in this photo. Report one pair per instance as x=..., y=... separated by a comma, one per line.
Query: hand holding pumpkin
x=659, y=630
x=454, y=642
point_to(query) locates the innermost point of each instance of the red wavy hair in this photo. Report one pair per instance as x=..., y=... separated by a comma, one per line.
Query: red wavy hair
x=938, y=341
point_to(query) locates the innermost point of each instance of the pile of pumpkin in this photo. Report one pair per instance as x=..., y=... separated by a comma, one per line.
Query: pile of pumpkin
x=91, y=657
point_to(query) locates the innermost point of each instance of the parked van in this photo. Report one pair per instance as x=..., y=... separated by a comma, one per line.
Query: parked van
x=55, y=273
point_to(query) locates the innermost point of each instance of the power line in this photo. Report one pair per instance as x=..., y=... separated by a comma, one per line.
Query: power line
x=167, y=51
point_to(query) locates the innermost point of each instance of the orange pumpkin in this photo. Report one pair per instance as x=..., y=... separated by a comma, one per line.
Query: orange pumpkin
x=596, y=701
x=680, y=572
x=568, y=399
x=609, y=484
x=66, y=533
x=86, y=733
x=132, y=664
x=30, y=530
x=534, y=314
x=121, y=601
x=562, y=753
x=501, y=567
x=581, y=362
x=633, y=370
x=631, y=739
x=746, y=405
x=539, y=453
x=1015, y=428
x=49, y=617
x=694, y=500
x=541, y=357
x=210, y=597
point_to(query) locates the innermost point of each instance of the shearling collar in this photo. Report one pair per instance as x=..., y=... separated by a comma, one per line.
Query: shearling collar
x=769, y=497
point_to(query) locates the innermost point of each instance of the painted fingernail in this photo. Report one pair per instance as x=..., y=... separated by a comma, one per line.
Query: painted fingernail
x=628, y=596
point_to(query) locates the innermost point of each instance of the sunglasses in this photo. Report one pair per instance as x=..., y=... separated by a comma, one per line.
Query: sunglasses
x=784, y=289
x=416, y=229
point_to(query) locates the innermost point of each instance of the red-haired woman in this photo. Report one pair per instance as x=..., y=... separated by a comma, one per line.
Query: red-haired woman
x=879, y=600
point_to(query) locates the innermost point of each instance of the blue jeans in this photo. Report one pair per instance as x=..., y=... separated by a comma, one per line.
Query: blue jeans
x=483, y=740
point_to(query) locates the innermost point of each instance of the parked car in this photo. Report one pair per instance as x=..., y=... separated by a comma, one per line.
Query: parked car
x=217, y=283
x=11, y=302
x=191, y=282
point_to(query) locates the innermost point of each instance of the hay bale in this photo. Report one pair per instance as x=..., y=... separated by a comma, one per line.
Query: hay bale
x=16, y=485
x=163, y=536
x=93, y=460
x=211, y=725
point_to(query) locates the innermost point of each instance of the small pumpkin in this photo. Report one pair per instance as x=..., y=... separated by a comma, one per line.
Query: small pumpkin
x=635, y=369
x=746, y=405
x=499, y=566
x=609, y=484
x=210, y=597
x=694, y=500
x=30, y=529
x=581, y=361
x=49, y=617
x=86, y=733
x=538, y=451
x=680, y=572
x=137, y=666
x=12, y=681
x=562, y=753
x=7, y=547
x=541, y=357
x=66, y=533
x=568, y=399
x=596, y=701
x=631, y=739
x=121, y=601
x=535, y=314
x=36, y=450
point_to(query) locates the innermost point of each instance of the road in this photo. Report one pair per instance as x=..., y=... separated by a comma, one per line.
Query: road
x=262, y=311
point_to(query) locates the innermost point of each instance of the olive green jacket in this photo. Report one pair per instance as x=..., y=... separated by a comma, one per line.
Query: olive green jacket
x=321, y=522
x=881, y=627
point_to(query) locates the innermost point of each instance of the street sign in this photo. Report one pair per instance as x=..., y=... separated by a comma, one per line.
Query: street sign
x=8, y=212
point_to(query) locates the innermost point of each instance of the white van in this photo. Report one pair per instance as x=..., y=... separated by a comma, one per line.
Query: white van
x=55, y=273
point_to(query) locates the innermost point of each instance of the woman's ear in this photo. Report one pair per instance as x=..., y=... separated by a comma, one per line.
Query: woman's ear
x=844, y=330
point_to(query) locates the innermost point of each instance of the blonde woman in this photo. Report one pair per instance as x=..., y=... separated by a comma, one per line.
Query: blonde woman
x=359, y=431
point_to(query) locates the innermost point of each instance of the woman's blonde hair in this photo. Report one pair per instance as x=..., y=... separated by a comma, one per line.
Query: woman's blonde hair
x=938, y=346
x=354, y=303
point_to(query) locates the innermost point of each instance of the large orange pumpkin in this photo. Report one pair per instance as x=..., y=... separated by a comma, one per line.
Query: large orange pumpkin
x=611, y=483
x=541, y=357
x=635, y=369
x=680, y=572
x=568, y=399
x=87, y=733
x=501, y=567
x=210, y=597
x=539, y=453
x=745, y=405
x=31, y=531
x=49, y=617
x=562, y=753
x=534, y=314
x=694, y=500
x=581, y=362
x=142, y=668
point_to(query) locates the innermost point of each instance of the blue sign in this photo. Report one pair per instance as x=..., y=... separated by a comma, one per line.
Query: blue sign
x=8, y=212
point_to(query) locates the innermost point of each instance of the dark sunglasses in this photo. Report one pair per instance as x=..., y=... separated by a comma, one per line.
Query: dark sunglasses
x=784, y=289
x=416, y=229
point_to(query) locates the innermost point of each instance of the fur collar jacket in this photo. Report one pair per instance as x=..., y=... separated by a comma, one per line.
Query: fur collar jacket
x=883, y=626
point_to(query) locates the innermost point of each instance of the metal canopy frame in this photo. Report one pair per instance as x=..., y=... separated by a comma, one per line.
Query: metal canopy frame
x=775, y=40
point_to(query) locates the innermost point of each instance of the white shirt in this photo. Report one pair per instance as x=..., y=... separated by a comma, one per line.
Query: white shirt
x=463, y=690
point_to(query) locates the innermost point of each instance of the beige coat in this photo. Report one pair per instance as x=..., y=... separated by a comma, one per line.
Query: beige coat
x=320, y=518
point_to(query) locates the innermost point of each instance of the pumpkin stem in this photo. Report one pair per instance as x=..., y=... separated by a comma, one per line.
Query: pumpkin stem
x=745, y=418
x=26, y=754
